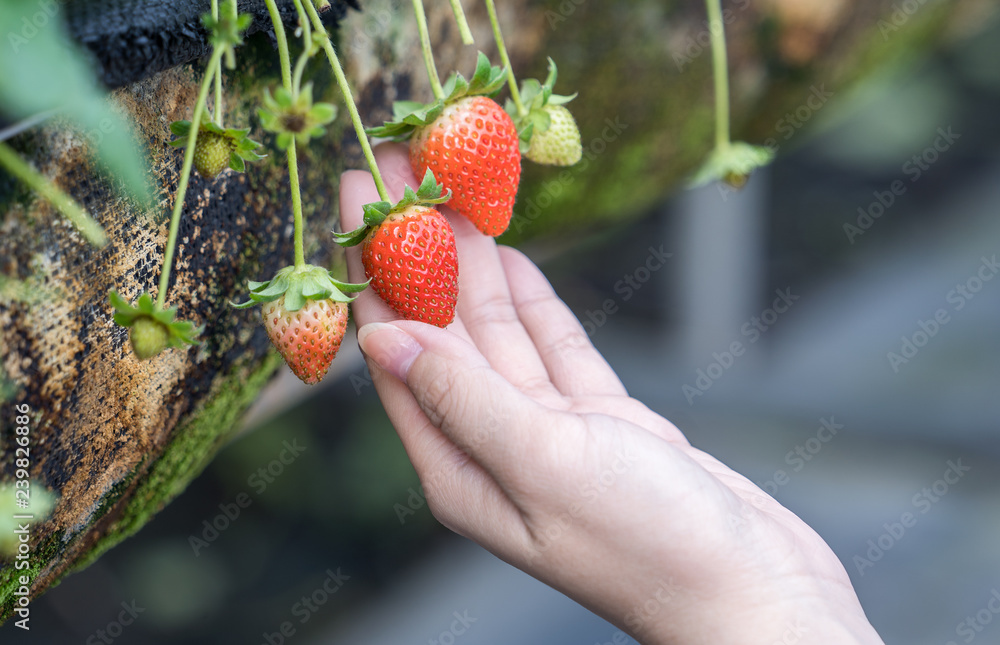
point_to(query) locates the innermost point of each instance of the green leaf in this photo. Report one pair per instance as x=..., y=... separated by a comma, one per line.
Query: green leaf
x=236, y=162
x=733, y=164
x=46, y=71
x=323, y=112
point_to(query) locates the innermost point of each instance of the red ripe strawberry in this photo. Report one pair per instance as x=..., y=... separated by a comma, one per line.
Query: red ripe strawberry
x=473, y=149
x=308, y=339
x=413, y=264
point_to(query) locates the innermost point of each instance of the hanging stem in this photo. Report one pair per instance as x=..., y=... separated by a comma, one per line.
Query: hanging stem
x=720, y=70
x=345, y=88
x=175, y=217
x=307, y=51
x=89, y=228
x=463, y=24
x=293, y=166
x=218, y=75
x=515, y=95
x=425, y=45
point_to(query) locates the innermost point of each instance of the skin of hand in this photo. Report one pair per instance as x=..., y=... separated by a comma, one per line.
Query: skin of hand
x=526, y=442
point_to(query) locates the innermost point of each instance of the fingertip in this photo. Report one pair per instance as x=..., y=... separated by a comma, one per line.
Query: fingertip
x=390, y=347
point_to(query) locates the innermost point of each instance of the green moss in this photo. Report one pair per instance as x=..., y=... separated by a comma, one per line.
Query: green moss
x=195, y=443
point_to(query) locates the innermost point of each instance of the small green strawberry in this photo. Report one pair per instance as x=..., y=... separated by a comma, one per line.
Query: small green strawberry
x=211, y=154
x=149, y=337
x=151, y=330
x=216, y=148
x=304, y=311
x=409, y=254
x=733, y=164
x=559, y=144
x=549, y=134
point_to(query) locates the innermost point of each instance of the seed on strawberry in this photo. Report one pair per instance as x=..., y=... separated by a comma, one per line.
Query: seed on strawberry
x=472, y=149
x=212, y=153
x=412, y=261
x=309, y=338
x=560, y=144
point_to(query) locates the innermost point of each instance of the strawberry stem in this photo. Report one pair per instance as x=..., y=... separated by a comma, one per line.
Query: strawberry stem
x=218, y=75
x=463, y=24
x=515, y=95
x=307, y=50
x=214, y=66
x=720, y=70
x=425, y=45
x=293, y=166
x=66, y=205
x=345, y=88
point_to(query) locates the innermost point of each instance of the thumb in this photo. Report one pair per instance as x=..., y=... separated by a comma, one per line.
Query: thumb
x=457, y=390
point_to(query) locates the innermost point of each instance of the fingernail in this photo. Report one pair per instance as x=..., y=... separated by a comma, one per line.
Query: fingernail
x=393, y=349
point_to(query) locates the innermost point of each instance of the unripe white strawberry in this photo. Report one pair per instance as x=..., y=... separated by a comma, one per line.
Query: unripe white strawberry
x=560, y=144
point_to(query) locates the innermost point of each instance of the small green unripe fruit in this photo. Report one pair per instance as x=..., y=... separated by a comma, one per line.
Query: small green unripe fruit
x=211, y=153
x=148, y=338
x=560, y=144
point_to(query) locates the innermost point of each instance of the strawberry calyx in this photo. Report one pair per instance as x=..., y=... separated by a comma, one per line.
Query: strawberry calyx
x=241, y=147
x=536, y=96
x=733, y=164
x=151, y=330
x=295, y=116
x=429, y=193
x=226, y=31
x=407, y=116
x=297, y=285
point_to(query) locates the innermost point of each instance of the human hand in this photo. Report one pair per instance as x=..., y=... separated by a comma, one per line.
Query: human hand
x=525, y=441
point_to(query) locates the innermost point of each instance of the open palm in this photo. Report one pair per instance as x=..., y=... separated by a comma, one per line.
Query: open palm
x=525, y=441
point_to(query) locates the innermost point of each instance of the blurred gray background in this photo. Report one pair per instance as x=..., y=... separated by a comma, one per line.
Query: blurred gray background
x=337, y=544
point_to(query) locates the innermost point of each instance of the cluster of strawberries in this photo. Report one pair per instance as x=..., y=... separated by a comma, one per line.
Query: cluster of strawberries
x=467, y=148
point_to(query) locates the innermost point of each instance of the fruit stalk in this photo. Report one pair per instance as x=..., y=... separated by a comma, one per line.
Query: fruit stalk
x=345, y=88
x=515, y=94
x=425, y=46
x=218, y=75
x=720, y=71
x=293, y=166
x=463, y=24
x=214, y=66
x=66, y=205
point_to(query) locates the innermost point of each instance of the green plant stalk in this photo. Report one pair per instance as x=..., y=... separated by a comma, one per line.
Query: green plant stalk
x=279, y=35
x=463, y=24
x=720, y=71
x=87, y=226
x=175, y=217
x=218, y=75
x=425, y=46
x=515, y=95
x=293, y=165
x=345, y=88
x=300, y=65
